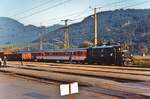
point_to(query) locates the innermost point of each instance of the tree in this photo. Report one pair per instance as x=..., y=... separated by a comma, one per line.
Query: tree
x=99, y=41
x=85, y=44
x=59, y=45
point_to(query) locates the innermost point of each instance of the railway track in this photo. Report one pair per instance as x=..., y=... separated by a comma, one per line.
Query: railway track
x=120, y=75
x=112, y=69
x=136, y=68
x=107, y=67
x=140, y=68
x=107, y=77
x=104, y=87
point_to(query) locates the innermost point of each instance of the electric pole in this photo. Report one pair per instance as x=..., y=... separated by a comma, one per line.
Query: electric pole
x=95, y=27
x=41, y=41
x=66, y=34
x=41, y=37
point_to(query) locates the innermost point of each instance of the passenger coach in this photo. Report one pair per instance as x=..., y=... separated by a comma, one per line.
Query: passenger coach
x=73, y=55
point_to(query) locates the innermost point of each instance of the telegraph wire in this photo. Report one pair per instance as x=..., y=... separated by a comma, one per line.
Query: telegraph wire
x=33, y=8
x=111, y=4
x=69, y=15
x=75, y=19
x=43, y=10
x=85, y=10
x=132, y=4
x=52, y=19
x=114, y=3
x=61, y=3
x=137, y=4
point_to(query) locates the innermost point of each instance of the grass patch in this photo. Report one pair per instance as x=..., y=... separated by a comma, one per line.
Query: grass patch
x=142, y=60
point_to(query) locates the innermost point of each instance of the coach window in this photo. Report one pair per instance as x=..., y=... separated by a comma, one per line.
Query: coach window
x=60, y=53
x=92, y=52
x=66, y=53
x=76, y=53
x=99, y=50
x=80, y=53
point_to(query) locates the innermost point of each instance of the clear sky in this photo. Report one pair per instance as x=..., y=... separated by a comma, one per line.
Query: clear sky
x=48, y=12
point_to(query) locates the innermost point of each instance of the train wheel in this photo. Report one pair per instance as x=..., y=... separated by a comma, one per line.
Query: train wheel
x=125, y=63
x=58, y=61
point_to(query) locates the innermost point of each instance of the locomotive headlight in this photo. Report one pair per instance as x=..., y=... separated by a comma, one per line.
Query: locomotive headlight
x=122, y=54
x=111, y=54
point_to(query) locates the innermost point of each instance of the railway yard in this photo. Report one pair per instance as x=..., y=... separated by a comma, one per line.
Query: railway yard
x=100, y=51
x=103, y=82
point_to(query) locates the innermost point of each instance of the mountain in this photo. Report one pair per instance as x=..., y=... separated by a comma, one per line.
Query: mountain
x=131, y=26
x=14, y=32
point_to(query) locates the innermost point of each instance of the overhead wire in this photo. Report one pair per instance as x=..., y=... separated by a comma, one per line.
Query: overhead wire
x=45, y=9
x=110, y=4
x=33, y=8
x=137, y=4
x=53, y=19
x=131, y=5
x=81, y=12
x=69, y=15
